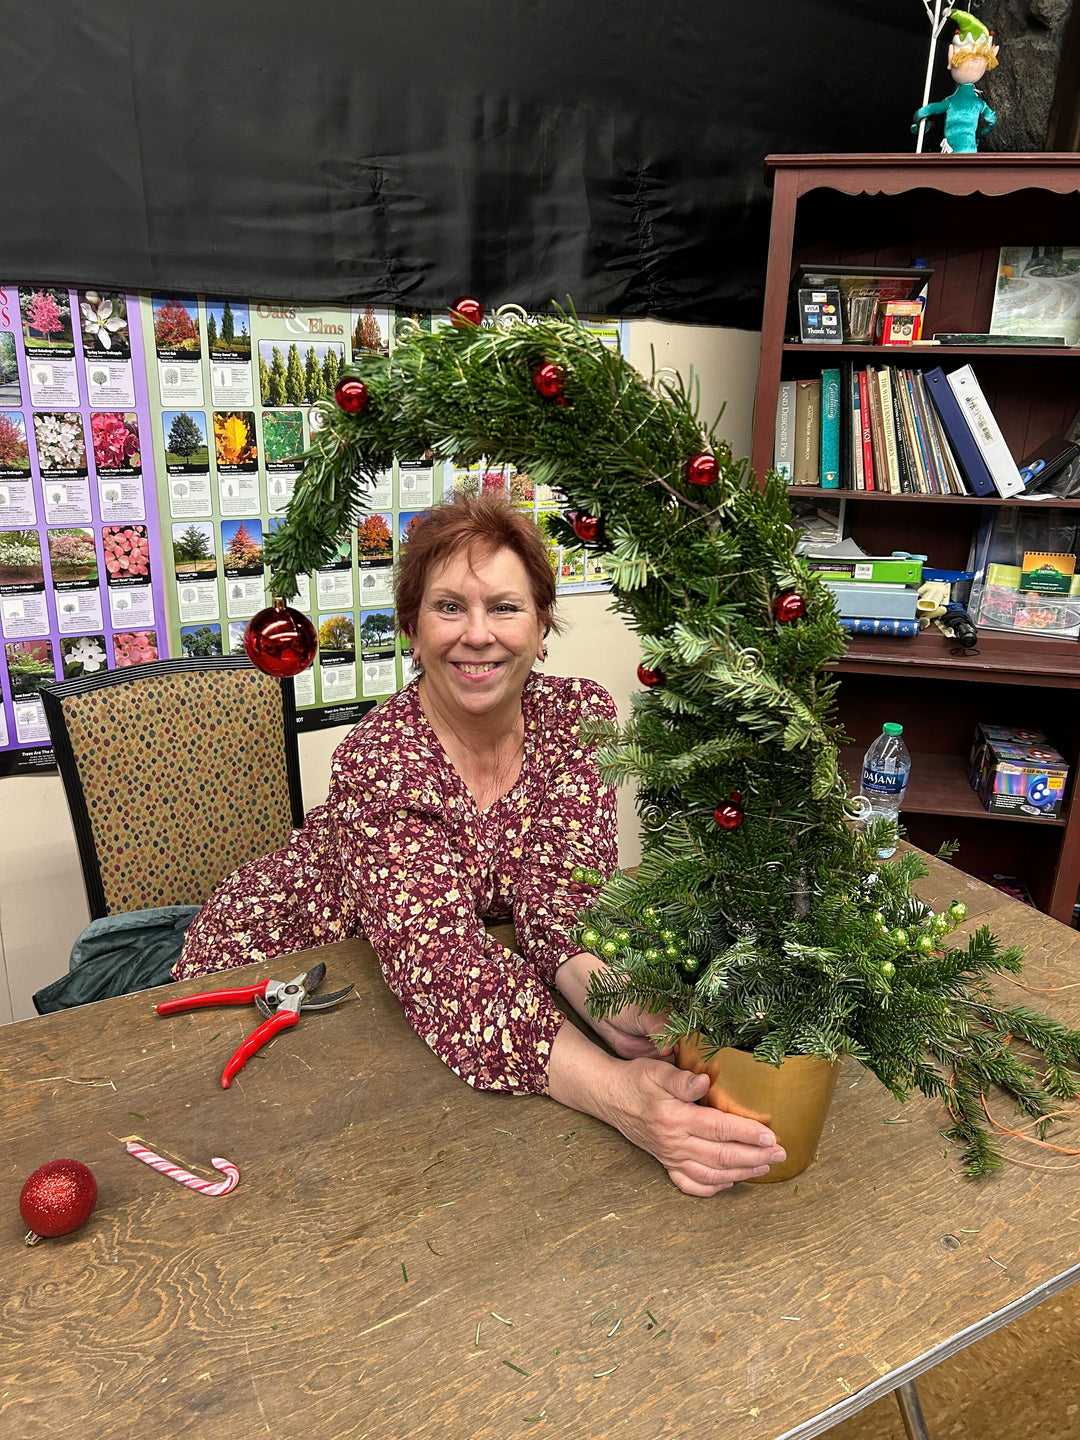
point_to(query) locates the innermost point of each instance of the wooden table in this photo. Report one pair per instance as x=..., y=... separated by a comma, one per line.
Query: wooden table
x=407, y=1258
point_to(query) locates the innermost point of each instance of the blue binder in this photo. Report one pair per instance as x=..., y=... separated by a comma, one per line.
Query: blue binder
x=957, y=429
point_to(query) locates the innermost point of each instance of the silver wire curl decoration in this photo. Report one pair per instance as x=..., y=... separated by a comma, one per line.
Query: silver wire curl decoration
x=665, y=379
x=508, y=315
x=858, y=808
x=749, y=662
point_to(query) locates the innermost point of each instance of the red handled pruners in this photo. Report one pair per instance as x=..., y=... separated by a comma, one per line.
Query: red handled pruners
x=278, y=1002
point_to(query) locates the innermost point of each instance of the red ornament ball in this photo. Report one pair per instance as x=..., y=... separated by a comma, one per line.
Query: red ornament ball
x=702, y=469
x=729, y=816
x=550, y=380
x=466, y=311
x=351, y=396
x=280, y=641
x=788, y=607
x=586, y=528
x=648, y=677
x=57, y=1198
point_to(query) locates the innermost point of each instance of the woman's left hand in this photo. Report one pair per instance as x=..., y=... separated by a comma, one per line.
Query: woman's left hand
x=629, y=1031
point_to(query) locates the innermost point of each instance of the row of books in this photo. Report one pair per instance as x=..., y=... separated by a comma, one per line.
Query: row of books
x=904, y=432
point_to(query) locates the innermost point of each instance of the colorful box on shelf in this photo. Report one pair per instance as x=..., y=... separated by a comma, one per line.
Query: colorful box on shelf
x=872, y=601
x=1017, y=772
x=884, y=569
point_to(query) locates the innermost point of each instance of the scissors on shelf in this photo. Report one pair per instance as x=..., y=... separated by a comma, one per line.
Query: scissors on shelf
x=278, y=1001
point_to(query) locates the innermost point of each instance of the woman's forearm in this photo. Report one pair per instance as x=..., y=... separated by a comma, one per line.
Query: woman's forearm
x=581, y=1075
x=572, y=980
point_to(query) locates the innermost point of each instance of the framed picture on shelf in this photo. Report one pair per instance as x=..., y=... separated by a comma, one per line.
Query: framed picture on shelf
x=1038, y=292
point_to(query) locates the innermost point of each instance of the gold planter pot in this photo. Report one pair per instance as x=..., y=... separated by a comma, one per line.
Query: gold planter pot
x=792, y=1099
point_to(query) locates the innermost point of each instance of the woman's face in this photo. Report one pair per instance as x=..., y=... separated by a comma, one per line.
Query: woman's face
x=478, y=634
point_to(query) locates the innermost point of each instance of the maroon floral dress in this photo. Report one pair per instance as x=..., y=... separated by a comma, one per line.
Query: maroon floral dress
x=401, y=854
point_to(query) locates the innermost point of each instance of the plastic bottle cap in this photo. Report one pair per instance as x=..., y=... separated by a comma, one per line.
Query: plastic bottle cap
x=891, y=728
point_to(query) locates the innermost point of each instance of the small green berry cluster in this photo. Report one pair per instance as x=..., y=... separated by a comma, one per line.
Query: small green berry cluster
x=586, y=875
x=921, y=933
x=658, y=946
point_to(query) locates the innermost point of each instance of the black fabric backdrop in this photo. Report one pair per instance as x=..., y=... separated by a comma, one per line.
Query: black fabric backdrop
x=408, y=152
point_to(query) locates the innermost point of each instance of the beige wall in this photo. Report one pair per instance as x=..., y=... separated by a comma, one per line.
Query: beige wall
x=42, y=905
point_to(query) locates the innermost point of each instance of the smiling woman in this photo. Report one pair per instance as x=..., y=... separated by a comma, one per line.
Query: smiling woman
x=472, y=794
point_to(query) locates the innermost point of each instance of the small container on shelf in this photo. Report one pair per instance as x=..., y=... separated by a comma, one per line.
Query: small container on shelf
x=901, y=322
x=1017, y=772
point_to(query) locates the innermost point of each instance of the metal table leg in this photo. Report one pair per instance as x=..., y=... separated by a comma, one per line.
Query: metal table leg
x=907, y=1397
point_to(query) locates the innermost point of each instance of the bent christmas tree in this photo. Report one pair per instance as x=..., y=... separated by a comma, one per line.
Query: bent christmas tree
x=760, y=916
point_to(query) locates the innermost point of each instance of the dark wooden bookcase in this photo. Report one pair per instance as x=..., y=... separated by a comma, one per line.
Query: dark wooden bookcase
x=956, y=211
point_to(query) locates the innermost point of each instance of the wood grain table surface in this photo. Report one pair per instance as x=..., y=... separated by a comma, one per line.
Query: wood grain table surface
x=405, y=1257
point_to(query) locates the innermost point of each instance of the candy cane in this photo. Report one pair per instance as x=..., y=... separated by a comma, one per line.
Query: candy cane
x=184, y=1177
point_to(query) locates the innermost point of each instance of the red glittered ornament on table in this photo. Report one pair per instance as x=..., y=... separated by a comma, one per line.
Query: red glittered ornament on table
x=280, y=641
x=56, y=1199
x=586, y=528
x=730, y=816
x=649, y=678
x=788, y=607
x=702, y=469
x=466, y=311
x=550, y=381
x=351, y=396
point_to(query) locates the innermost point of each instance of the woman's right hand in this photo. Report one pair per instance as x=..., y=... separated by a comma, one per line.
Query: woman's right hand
x=654, y=1105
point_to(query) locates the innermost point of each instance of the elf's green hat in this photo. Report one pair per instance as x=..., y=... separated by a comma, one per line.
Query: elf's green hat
x=972, y=38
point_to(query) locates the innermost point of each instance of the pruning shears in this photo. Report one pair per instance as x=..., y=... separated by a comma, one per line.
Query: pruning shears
x=279, y=1002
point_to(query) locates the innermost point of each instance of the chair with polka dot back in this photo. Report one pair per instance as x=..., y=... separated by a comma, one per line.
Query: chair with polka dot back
x=176, y=772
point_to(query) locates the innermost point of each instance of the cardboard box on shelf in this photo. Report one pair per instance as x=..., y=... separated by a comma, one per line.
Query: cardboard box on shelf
x=1017, y=772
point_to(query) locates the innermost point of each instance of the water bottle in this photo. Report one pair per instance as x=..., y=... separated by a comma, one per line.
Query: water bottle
x=886, y=767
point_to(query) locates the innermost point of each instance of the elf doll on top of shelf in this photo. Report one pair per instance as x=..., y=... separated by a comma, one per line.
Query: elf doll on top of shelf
x=967, y=116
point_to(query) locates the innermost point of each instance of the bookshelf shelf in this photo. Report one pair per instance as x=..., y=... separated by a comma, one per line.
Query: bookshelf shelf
x=999, y=659
x=1019, y=502
x=910, y=355
x=957, y=212
x=940, y=786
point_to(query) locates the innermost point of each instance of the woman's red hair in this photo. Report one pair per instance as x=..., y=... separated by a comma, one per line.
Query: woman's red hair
x=477, y=525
